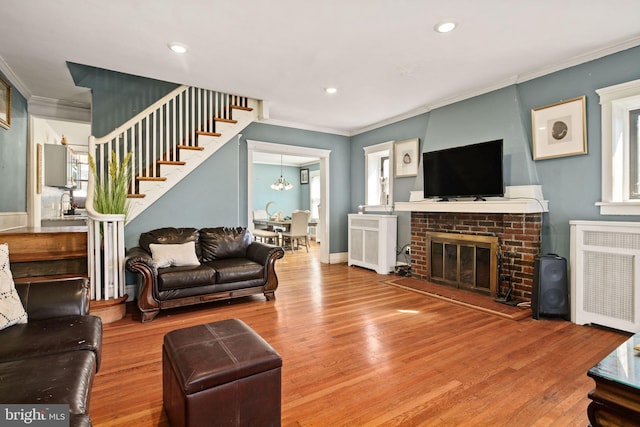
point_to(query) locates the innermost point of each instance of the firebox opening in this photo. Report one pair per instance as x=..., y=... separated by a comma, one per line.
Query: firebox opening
x=463, y=261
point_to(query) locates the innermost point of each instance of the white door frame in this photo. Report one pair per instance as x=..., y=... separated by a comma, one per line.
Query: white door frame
x=269, y=147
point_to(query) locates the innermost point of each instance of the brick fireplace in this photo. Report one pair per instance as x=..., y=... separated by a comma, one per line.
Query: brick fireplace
x=515, y=220
x=518, y=243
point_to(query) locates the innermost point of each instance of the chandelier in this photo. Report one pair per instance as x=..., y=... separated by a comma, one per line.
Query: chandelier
x=281, y=183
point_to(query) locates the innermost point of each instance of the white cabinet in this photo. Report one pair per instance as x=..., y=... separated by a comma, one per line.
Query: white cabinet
x=372, y=241
x=59, y=166
x=605, y=274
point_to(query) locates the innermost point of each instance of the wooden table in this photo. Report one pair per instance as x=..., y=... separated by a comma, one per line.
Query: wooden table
x=616, y=396
x=284, y=224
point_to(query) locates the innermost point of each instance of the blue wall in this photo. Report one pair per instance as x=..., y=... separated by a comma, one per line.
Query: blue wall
x=414, y=127
x=339, y=166
x=207, y=197
x=571, y=184
x=13, y=156
x=116, y=97
x=284, y=201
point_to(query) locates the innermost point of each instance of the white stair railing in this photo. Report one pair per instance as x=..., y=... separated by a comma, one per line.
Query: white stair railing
x=155, y=137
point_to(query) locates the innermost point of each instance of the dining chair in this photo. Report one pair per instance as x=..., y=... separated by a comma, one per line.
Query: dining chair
x=299, y=229
x=260, y=214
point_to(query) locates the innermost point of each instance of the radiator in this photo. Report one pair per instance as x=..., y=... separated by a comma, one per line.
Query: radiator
x=605, y=258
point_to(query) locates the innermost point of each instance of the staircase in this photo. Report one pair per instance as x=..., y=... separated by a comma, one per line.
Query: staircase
x=171, y=138
x=168, y=140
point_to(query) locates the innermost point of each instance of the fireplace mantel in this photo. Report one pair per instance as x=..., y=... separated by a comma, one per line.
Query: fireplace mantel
x=519, y=199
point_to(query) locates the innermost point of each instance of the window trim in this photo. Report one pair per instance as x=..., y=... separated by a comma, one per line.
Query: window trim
x=615, y=103
x=378, y=151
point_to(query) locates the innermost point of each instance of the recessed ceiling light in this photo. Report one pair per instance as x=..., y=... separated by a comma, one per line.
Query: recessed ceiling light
x=178, y=47
x=445, y=27
x=331, y=90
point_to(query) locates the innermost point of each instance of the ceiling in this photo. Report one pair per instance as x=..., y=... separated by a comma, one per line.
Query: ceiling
x=383, y=56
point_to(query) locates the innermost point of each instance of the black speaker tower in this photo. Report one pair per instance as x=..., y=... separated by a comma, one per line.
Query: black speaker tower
x=550, y=296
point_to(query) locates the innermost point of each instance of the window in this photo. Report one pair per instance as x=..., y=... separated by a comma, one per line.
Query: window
x=80, y=174
x=378, y=176
x=620, y=105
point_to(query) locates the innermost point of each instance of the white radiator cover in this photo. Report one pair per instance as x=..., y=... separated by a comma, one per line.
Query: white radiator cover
x=605, y=281
x=372, y=241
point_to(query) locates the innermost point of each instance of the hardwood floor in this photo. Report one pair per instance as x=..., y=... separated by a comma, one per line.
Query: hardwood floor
x=358, y=352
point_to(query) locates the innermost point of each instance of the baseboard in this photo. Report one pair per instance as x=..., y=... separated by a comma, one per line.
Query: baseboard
x=339, y=257
x=11, y=220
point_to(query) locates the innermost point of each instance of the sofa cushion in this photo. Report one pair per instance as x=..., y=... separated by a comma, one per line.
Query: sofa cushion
x=11, y=308
x=64, y=378
x=178, y=255
x=224, y=242
x=167, y=235
x=236, y=270
x=185, y=277
x=52, y=336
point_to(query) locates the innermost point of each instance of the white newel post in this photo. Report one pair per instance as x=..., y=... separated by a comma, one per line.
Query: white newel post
x=106, y=257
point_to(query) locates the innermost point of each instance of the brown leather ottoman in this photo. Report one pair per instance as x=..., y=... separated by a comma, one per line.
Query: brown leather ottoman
x=220, y=373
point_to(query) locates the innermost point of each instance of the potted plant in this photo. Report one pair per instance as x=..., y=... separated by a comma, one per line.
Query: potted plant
x=110, y=192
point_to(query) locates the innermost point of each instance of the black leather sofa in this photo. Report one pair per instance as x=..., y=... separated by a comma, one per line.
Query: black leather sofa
x=229, y=264
x=53, y=358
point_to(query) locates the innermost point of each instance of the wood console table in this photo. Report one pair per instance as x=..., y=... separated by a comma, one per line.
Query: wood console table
x=616, y=396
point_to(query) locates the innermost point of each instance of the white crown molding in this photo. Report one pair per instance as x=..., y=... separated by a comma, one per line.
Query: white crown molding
x=581, y=59
x=571, y=62
x=58, y=109
x=303, y=126
x=14, y=79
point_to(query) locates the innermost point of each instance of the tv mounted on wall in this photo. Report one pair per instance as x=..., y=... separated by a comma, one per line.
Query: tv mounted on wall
x=469, y=171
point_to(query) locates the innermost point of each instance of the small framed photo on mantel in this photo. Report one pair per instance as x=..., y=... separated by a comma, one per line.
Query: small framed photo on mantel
x=406, y=157
x=559, y=130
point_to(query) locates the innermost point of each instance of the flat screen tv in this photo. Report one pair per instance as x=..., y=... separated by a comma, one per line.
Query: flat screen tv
x=469, y=171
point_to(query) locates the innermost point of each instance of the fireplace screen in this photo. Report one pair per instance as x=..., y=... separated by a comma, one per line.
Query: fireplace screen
x=465, y=261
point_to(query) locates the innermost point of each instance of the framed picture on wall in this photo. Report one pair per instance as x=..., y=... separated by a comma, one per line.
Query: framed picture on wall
x=559, y=130
x=5, y=104
x=304, y=176
x=406, y=157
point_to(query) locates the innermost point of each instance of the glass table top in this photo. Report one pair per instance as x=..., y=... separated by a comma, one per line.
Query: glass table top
x=622, y=365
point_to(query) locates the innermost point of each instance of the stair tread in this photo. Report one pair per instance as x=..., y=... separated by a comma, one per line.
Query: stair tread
x=223, y=120
x=190, y=147
x=135, y=196
x=151, y=178
x=171, y=162
x=240, y=107
x=201, y=132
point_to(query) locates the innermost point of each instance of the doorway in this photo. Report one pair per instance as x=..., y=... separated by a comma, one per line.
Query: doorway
x=322, y=232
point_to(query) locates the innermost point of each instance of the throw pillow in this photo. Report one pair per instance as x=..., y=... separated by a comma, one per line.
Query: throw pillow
x=11, y=309
x=174, y=255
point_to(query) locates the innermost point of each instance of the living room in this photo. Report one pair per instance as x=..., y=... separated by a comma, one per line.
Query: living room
x=571, y=185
